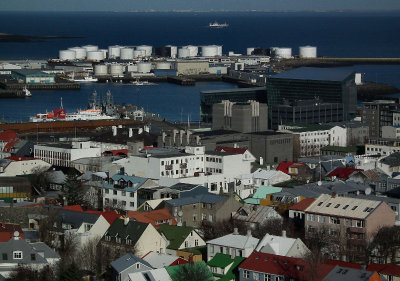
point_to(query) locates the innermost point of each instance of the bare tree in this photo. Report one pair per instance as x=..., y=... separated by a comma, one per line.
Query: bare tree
x=88, y=255
x=27, y=273
x=385, y=245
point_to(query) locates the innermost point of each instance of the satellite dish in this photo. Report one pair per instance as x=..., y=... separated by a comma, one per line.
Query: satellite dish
x=319, y=183
x=368, y=191
x=180, y=213
x=16, y=234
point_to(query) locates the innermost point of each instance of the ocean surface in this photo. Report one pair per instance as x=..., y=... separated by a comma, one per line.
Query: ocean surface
x=334, y=34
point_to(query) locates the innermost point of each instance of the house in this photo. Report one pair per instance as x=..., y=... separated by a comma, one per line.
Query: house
x=233, y=244
x=223, y=267
x=16, y=252
x=120, y=192
x=247, y=156
x=126, y=265
x=83, y=226
x=151, y=205
x=7, y=231
x=126, y=235
x=158, y=260
x=156, y=217
x=390, y=164
x=191, y=211
x=262, y=193
x=282, y=246
x=300, y=171
x=253, y=215
x=339, y=273
x=263, y=266
x=351, y=220
x=182, y=240
x=18, y=165
x=366, y=176
x=342, y=173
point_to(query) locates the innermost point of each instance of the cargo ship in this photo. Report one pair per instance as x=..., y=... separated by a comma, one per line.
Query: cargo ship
x=93, y=112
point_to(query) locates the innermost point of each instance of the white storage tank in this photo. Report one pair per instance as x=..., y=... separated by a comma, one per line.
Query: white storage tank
x=183, y=53
x=67, y=55
x=163, y=65
x=95, y=55
x=174, y=51
x=137, y=54
x=308, y=52
x=209, y=51
x=105, y=52
x=116, y=69
x=193, y=50
x=101, y=70
x=114, y=51
x=148, y=50
x=144, y=67
x=80, y=53
x=283, y=53
x=90, y=48
x=132, y=68
x=126, y=54
x=249, y=51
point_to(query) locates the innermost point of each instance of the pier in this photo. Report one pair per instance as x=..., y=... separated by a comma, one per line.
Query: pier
x=56, y=86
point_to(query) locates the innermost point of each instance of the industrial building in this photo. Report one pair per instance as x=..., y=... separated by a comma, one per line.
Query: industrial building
x=30, y=76
x=378, y=114
x=191, y=67
x=332, y=85
x=209, y=98
x=311, y=111
x=247, y=117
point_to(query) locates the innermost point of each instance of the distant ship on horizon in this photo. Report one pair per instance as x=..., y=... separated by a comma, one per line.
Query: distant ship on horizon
x=218, y=25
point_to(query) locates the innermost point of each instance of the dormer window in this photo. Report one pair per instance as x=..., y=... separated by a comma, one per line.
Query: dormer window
x=17, y=255
x=118, y=240
x=107, y=238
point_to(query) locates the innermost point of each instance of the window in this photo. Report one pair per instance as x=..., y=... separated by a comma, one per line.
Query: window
x=123, y=193
x=115, y=192
x=132, y=194
x=310, y=217
x=355, y=207
x=5, y=257
x=107, y=238
x=345, y=207
x=334, y=220
x=367, y=210
x=17, y=255
x=348, y=222
x=337, y=206
x=196, y=242
x=33, y=257
x=246, y=274
x=123, y=203
x=137, y=265
x=107, y=191
x=267, y=277
x=320, y=203
x=194, y=217
x=360, y=223
x=203, y=217
x=321, y=219
x=186, y=244
x=118, y=240
x=329, y=204
x=212, y=248
x=131, y=204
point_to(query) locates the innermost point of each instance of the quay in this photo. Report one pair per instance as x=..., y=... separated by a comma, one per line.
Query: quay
x=56, y=86
x=11, y=94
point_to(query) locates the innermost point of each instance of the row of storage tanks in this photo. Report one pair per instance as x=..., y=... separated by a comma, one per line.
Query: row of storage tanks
x=118, y=69
x=93, y=53
x=286, y=53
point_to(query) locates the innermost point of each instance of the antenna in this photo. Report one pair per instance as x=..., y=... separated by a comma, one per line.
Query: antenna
x=61, y=104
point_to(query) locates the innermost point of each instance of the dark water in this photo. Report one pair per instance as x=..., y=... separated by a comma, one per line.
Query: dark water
x=334, y=34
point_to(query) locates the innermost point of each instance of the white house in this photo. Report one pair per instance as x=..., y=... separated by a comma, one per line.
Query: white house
x=18, y=165
x=232, y=244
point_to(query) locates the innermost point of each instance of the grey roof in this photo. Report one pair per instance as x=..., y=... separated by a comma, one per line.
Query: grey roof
x=255, y=214
x=28, y=250
x=392, y=160
x=235, y=241
x=315, y=73
x=76, y=218
x=127, y=261
x=347, y=274
x=57, y=177
x=202, y=198
x=183, y=186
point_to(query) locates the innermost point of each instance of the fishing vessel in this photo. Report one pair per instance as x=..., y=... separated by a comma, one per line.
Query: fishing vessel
x=218, y=25
x=26, y=92
x=95, y=111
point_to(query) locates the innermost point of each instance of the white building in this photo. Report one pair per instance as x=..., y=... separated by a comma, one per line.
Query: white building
x=17, y=165
x=61, y=154
x=382, y=147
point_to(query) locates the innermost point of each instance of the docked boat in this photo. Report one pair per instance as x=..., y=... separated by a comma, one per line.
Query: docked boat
x=26, y=92
x=142, y=83
x=86, y=79
x=93, y=112
x=218, y=25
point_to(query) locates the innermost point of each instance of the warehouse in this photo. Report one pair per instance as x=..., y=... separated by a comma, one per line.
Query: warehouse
x=31, y=76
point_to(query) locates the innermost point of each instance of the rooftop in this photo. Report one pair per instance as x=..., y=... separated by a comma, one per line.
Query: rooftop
x=236, y=241
x=316, y=74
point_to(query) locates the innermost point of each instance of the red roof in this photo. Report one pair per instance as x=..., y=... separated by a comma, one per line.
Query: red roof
x=110, y=216
x=294, y=268
x=117, y=152
x=7, y=231
x=149, y=147
x=8, y=135
x=76, y=208
x=235, y=150
x=284, y=166
x=386, y=269
x=342, y=173
x=302, y=205
x=19, y=158
x=344, y=264
x=152, y=217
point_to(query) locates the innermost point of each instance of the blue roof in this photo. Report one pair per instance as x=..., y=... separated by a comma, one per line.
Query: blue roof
x=316, y=73
x=136, y=181
x=202, y=198
x=127, y=261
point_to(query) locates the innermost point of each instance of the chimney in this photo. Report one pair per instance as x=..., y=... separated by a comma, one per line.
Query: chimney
x=126, y=221
x=261, y=161
x=283, y=233
x=248, y=233
x=235, y=145
x=235, y=231
x=130, y=132
x=114, y=130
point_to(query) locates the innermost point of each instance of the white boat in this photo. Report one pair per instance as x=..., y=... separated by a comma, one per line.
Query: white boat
x=86, y=79
x=26, y=92
x=218, y=25
x=142, y=83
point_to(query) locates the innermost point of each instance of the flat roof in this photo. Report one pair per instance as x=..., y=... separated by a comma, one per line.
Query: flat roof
x=235, y=90
x=316, y=73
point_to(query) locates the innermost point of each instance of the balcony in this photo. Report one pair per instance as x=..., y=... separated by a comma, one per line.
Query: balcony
x=356, y=230
x=183, y=165
x=168, y=167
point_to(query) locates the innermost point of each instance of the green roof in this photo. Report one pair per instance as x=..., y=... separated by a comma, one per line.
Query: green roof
x=133, y=229
x=173, y=270
x=176, y=235
x=340, y=148
x=222, y=261
x=262, y=193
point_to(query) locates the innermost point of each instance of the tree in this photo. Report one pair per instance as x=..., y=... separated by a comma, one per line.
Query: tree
x=88, y=255
x=26, y=273
x=385, y=245
x=39, y=179
x=72, y=190
x=193, y=272
x=71, y=273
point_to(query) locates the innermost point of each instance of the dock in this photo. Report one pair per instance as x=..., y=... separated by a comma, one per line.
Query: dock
x=183, y=81
x=55, y=86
